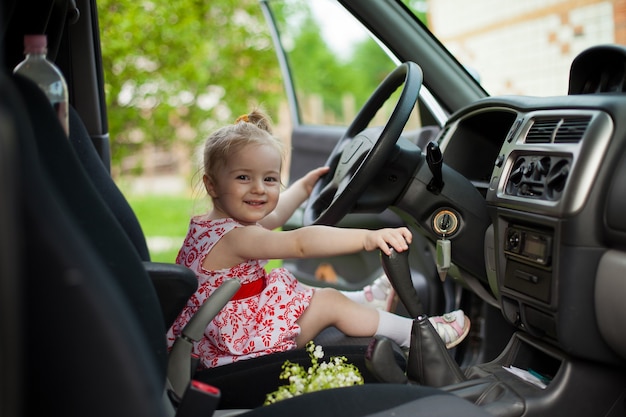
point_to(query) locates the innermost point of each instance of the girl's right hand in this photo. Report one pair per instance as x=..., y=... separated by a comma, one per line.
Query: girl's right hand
x=399, y=239
x=309, y=180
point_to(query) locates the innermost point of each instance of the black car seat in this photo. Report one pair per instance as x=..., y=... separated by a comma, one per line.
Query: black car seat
x=87, y=342
x=93, y=217
x=102, y=181
x=11, y=346
x=85, y=350
x=173, y=283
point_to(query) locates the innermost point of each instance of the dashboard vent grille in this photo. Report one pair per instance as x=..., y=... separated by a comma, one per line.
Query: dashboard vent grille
x=572, y=129
x=558, y=129
x=542, y=130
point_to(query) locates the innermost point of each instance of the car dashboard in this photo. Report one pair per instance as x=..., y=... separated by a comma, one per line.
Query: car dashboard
x=553, y=175
x=552, y=171
x=552, y=190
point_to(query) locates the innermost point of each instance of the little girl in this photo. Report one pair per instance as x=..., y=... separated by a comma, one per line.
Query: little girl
x=273, y=312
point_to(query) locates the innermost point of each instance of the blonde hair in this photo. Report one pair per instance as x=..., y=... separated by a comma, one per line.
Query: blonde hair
x=254, y=128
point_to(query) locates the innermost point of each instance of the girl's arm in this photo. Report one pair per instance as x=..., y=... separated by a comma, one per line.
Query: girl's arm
x=291, y=198
x=253, y=242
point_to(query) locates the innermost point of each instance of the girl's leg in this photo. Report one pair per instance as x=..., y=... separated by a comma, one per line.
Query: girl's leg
x=330, y=307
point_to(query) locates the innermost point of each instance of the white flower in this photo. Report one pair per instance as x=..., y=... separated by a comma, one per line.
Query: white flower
x=318, y=352
x=334, y=374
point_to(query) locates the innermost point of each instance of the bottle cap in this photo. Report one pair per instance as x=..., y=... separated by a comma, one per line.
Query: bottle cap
x=35, y=43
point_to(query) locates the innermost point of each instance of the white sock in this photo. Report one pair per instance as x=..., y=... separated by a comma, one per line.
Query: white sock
x=396, y=328
x=356, y=296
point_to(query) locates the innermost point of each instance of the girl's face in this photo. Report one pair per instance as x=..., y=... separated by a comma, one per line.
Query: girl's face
x=247, y=186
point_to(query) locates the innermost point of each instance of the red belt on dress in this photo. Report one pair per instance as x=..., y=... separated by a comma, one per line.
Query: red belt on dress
x=250, y=289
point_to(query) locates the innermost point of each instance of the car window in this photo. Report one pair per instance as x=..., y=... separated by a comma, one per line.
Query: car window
x=334, y=63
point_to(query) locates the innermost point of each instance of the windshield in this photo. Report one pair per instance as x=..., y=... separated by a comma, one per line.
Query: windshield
x=525, y=47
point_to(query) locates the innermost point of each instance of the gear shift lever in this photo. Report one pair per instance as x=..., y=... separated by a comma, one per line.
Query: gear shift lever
x=396, y=266
x=429, y=361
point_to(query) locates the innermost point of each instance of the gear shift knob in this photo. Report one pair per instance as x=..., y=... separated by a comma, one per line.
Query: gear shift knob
x=396, y=266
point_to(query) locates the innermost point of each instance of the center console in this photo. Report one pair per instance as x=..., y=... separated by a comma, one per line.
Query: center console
x=542, y=265
x=538, y=196
x=528, y=252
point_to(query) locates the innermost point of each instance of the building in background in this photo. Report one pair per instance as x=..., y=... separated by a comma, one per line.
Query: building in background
x=497, y=39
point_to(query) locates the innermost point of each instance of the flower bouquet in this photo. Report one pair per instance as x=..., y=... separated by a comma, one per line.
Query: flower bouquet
x=333, y=374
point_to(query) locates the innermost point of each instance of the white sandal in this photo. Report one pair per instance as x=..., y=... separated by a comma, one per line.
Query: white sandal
x=452, y=327
x=381, y=285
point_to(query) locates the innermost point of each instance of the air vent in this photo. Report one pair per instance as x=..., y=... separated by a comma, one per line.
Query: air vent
x=572, y=129
x=558, y=129
x=538, y=177
x=542, y=130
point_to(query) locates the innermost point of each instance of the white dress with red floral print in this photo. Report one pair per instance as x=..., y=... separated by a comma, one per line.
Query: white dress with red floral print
x=247, y=327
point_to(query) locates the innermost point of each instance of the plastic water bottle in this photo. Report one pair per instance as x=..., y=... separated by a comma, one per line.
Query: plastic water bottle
x=46, y=75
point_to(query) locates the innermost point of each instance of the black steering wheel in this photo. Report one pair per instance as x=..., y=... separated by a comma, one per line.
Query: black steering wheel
x=357, y=158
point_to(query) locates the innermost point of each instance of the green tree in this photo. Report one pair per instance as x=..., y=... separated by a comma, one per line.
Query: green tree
x=174, y=71
x=326, y=72
x=318, y=67
x=369, y=67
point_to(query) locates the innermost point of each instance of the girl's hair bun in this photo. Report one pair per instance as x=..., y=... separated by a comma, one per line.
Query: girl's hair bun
x=257, y=118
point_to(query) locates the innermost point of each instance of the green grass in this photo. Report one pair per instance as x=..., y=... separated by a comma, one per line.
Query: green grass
x=164, y=220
